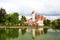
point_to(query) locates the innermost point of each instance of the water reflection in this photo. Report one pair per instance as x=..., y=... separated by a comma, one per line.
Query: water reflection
x=35, y=32
x=45, y=30
x=12, y=32
x=2, y=34
x=8, y=33
x=40, y=32
x=23, y=31
x=28, y=34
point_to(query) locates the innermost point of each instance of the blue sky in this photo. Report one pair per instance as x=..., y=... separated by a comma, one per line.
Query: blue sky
x=47, y=8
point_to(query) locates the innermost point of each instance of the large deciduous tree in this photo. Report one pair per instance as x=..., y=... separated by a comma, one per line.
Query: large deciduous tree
x=12, y=19
x=2, y=15
x=47, y=22
x=15, y=17
x=56, y=23
x=23, y=20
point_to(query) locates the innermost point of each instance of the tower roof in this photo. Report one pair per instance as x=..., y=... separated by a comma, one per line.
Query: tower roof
x=33, y=12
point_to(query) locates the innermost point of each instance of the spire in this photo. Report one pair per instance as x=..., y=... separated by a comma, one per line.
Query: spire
x=33, y=12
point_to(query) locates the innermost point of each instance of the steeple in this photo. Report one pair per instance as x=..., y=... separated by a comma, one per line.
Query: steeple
x=33, y=16
x=33, y=12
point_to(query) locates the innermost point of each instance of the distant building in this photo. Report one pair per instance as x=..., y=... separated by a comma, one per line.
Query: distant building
x=36, y=20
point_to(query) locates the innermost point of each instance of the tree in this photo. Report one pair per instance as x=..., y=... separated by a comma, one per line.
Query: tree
x=58, y=20
x=47, y=22
x=2, y=15
x=56, y=23
x=23, y=20
x=15, y=18
x=12, y=19
x=7, y=19
x=2, y=11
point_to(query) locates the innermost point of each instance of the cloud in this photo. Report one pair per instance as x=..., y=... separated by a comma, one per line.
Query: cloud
x=42, y=6
x=51, y=17
x=25, y=7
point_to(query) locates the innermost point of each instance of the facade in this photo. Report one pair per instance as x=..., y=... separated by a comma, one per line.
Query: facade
x=36, y=20
x=40, y=19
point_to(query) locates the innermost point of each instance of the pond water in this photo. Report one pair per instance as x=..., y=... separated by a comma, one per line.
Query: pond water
x=26, y=34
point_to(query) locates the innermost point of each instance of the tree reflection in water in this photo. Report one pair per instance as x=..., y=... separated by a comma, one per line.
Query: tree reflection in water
x=8, y=33
x=23, y=31
x=45, y=30
x=12, y=32
x=2, y=34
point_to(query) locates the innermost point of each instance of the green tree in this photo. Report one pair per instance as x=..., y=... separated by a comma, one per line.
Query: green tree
x=47, y=22
x=7, y=19
x=15, y=18
x=23, y=20
x=58, y=20
x=2, y=15
x=56, y=23
x=12, y=19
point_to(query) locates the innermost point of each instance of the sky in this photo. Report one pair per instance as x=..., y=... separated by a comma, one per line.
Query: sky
x=48, y=8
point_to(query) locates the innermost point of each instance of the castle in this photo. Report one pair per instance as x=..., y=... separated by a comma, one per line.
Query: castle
x=36, y=19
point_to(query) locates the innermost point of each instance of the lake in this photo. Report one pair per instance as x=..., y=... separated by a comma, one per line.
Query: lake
x=26, y=34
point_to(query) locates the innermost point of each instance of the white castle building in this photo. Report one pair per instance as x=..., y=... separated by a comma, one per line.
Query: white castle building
x=36, y=19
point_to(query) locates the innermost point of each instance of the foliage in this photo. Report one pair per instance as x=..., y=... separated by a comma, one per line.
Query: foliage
x=47, y=22
x=12, y=19
x=2, y=15
x=56, y=23
x=23, y=20
x=15, y=18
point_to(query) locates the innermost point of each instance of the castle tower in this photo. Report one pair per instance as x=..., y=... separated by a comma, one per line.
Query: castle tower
x=33, y=16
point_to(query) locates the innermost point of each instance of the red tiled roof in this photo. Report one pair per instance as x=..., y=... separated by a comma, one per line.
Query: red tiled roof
x=40, y=17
